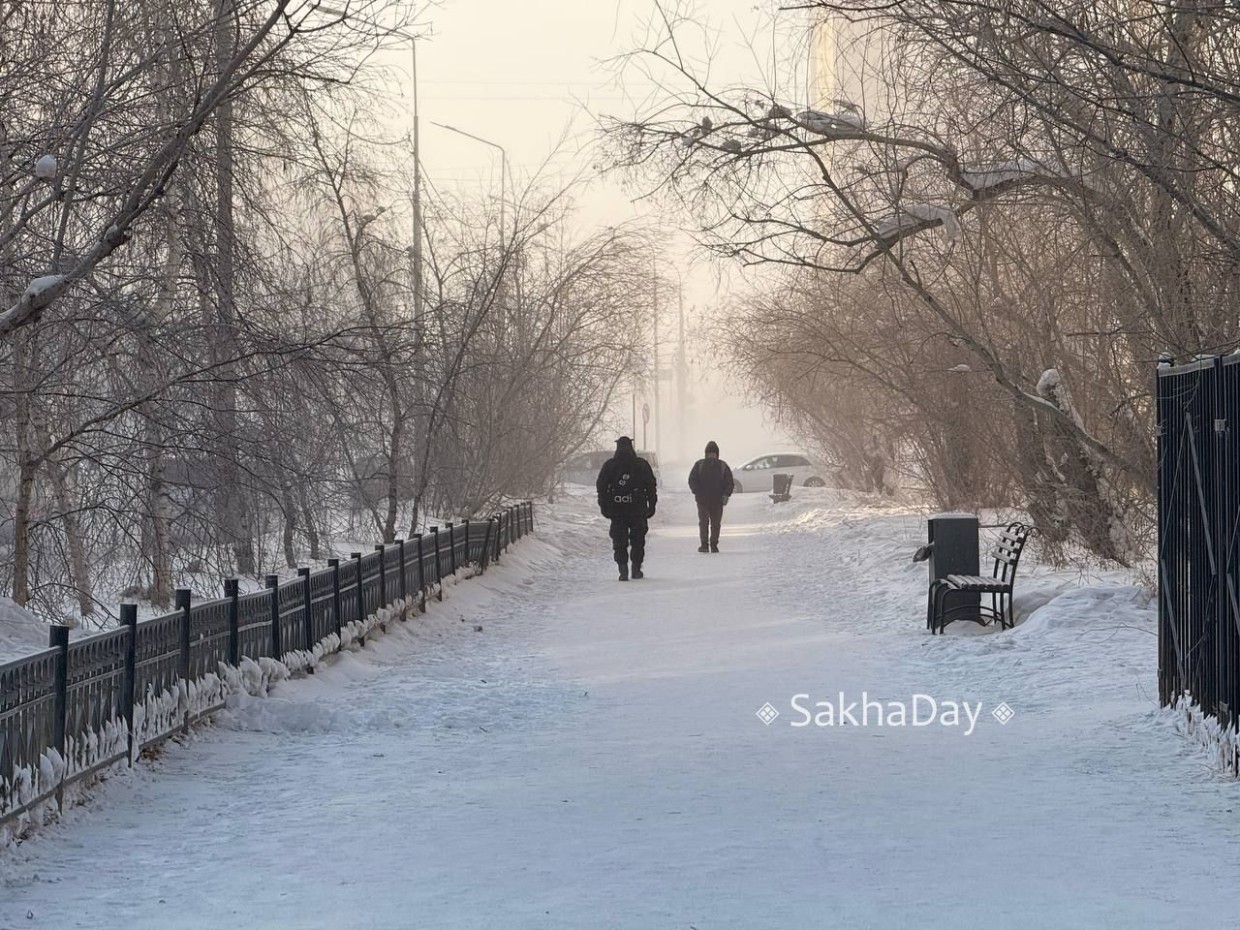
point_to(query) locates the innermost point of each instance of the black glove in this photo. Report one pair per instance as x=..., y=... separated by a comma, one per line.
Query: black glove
x=649, y=511
x=725, y=502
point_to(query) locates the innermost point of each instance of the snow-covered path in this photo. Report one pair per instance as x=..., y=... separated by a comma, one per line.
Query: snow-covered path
x=592, y=758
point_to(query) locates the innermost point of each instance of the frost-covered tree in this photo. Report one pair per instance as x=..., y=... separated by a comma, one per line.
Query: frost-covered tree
x=1039, y=188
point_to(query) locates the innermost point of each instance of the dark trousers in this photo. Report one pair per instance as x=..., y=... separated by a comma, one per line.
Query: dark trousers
x=628, y=538
x=710, y=515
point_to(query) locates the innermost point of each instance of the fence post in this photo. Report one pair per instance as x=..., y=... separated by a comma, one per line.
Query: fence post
x=184, y=597
x=438, y=562
x=361, y=597
x=1167, y=674
x=404, y=582
x=484, y=554
x=232, y=591
x=383, y=599
x=58, y=639
x=277, y=646
x=451, y=547
x=307, y=623
x=381, y=548
x=334, y=565
x=1224, y=631
x=421, y=574
x=129, y=620
x=468, y=560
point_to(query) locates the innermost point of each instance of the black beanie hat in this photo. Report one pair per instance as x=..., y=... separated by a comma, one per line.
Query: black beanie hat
x=624, y=443
x=712, y=446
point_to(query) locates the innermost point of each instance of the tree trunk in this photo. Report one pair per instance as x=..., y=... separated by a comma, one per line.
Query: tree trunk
x=1097, y=510
x=230, y=505
x=21, y=531
x=307, y=517
x=161, y=526
x=159, y=502
x=25, y=467
x=289, y=506
x=79, y=563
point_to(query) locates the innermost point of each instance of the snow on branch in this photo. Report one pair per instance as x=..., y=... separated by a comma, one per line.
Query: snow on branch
x=843, y=124
x=992, y=179
x=913, y=217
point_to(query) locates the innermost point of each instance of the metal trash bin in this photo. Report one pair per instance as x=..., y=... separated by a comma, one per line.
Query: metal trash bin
x=952, y=549
x=781, y=488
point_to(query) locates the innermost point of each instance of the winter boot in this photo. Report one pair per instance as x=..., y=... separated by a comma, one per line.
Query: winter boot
x=714, y=547
x=637, y=570
x=703, y=548
x=624, y=571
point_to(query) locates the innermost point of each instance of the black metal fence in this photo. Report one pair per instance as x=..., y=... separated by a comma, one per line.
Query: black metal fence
x=78, y=707
x=1199, y=535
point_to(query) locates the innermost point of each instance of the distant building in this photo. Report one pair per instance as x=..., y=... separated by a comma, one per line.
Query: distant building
x=846, y=62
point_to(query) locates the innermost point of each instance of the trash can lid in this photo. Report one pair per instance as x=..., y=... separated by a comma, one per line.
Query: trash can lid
x=953, y=516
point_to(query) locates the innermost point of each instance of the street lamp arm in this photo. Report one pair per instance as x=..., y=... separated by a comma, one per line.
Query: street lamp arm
x=470, y=135
x=503, y=171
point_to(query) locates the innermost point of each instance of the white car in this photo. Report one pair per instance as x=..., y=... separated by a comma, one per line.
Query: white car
x=758, y=474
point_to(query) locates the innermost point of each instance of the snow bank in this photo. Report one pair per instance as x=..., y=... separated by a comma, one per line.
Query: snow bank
x=1092, y=607
x=238, y=697
x=20, y=632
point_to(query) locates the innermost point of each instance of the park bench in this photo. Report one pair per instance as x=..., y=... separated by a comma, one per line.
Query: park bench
x=781, y=488
x=998, y=585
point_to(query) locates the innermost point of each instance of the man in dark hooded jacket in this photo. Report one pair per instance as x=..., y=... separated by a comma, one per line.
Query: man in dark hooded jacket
x=627, y=494
x=711, y=484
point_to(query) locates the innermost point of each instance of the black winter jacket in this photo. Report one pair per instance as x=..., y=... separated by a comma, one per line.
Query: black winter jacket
x=626, y=486
x=710, y=480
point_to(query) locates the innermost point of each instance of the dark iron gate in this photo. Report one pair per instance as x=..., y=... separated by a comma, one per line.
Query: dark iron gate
x=1199, y=535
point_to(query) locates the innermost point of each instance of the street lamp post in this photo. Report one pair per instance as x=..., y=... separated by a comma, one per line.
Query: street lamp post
x=417, y=162
x=417, y=191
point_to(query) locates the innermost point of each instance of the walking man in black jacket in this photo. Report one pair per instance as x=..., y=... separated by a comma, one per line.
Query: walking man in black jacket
x=711, y=484
x=627, y=494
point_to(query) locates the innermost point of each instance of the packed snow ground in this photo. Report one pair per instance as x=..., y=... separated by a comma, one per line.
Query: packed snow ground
x=592, y=758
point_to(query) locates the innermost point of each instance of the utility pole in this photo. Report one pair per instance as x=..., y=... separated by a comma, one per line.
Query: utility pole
x=657, y=422
x=417, y=194
x=682, y=380
x=231, y=508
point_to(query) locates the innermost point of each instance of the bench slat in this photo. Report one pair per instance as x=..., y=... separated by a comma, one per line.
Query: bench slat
x=983, y=583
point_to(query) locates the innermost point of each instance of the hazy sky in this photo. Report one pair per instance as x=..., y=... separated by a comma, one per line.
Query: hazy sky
x=532, y=76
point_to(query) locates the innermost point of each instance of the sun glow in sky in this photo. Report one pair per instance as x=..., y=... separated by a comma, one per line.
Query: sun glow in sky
x=535, y=77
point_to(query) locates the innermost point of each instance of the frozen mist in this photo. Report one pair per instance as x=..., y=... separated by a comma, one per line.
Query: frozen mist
x=592, y=758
